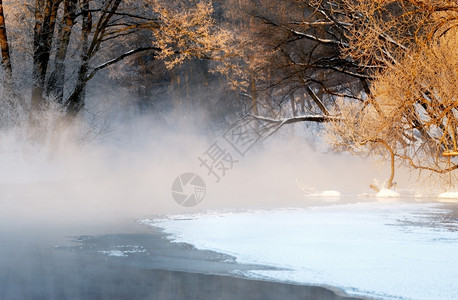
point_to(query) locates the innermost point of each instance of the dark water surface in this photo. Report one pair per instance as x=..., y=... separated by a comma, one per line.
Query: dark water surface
x=139, y=263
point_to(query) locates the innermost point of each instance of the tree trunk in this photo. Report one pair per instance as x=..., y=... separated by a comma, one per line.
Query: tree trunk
x=293, y=104
x=56, y=80
x=45, y=20
x=254, y=98
x=392, y=167
x=392, y=163
x=254, y=102
x=6, y=59
x=317, y=101
x=75, y=101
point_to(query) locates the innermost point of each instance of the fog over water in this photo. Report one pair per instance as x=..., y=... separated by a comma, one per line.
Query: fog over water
x=132, y=174
x=128, y=171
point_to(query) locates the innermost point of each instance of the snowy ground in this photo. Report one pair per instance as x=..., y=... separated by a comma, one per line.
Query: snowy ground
x=381, y=250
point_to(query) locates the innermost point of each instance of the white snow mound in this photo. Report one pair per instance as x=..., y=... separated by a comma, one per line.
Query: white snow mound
x=387, y=193
x=327, y=194
x=448, y=195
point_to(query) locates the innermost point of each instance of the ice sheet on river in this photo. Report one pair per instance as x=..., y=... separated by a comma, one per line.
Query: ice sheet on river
x=384, y=250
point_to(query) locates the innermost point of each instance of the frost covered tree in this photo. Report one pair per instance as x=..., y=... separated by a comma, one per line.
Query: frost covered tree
x=61, y=45
x=290, y=58
x=411, y=110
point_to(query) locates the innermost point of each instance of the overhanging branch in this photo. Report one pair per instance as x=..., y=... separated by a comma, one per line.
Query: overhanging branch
x=119, y=58
x=273, y=125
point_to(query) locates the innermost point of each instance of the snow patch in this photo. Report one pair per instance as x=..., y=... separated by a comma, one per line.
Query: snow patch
x=123, y=250
x=327, y=194
x=115, y=253
x=387, y=193
x=449, y=196
x=382, y=250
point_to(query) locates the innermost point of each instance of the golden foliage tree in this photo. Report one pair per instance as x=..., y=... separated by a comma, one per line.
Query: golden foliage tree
x=412, y=108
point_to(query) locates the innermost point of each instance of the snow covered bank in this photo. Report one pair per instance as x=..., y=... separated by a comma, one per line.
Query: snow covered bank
x=448, y=197
x=384, y=250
